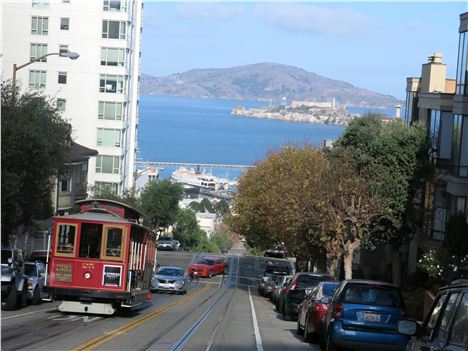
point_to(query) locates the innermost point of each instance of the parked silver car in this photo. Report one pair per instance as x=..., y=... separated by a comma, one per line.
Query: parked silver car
x=35, y=271
x=170, y=278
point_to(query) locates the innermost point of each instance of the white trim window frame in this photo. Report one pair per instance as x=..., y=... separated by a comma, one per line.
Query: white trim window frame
x=114, y=29
x=107, y=164
x=109, y=137
x=115, y=5
x=113, y=57
x=39, y=25
x=37, y=50
x=111, y=83
x=37, y=79
x=111, y=110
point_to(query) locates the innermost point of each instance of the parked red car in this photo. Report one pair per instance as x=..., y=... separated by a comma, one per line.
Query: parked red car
x=208, y=267
x=313, y=310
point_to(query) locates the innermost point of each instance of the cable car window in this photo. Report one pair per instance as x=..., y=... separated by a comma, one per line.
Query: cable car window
x=66, y=239
x=113, y=241
x=90, y=240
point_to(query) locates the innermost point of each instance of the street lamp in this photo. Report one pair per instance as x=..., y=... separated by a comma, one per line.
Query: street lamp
x=69, y=54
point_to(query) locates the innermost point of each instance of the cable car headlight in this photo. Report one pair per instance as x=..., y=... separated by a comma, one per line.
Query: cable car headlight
x=87, y=275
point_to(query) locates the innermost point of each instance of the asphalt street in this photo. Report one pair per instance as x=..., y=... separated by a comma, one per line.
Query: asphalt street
x=221, y=313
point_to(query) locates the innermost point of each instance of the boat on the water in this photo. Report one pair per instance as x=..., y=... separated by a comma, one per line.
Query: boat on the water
x=197, y=178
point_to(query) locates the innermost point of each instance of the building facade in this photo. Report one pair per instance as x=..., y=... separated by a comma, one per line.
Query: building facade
x=443, y=105
x=98, y=92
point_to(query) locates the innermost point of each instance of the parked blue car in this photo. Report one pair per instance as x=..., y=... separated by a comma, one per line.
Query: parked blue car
x=363, y=315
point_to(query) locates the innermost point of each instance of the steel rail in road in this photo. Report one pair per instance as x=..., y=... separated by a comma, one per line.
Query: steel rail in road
x=187, y=164
x=99, y=340
x=184, y=339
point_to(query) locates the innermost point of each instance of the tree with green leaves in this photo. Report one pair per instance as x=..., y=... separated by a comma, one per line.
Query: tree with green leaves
x=394, y=161
x=221, y=239
x=206, y=205
x=186, y=229
x=160, y=202
x=35, y=144
x=345, y=211
x=277, y=202
x=222, y=207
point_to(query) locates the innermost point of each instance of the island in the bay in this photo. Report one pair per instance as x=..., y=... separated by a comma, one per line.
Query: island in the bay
x=300, y=111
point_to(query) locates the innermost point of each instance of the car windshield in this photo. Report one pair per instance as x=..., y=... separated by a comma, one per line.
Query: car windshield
x=376, y=295
x=30, y=269
x=173, y=272
x=208, y=262
x=308, y=281
x=165, y=238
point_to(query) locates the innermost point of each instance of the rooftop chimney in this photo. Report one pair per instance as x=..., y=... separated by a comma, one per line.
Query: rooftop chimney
x=433, y=74
x=435, y=58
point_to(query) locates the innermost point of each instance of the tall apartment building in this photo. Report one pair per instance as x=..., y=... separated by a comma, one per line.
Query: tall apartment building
x=443, y=105
x=98, y=92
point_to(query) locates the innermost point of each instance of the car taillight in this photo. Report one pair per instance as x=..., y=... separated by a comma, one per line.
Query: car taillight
x=338, y=312
x=293, y=285
x=320, y=306
x=404, y=314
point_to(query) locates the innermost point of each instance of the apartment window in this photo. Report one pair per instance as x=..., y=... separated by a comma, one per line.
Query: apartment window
x=111, y=84
x=114, y=29
x=38, y=50
x=61, y=104
x=63, y=48
x=110, y=110
x=109, y=137
x=115, y=5
x=64, y=185
x=462, y=67
x=64, y=23
x=62, y=77
x=460, y=205
x=107, y=164
x=434, y=126
x=37, y=79
x=40, y=4
x=445, y=135
x=39, y=25
x=106, y=187
x=112, y=57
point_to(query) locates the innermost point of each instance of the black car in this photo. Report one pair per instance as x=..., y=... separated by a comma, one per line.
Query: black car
x=446, y=326
x=294, y=294
x=276, y=251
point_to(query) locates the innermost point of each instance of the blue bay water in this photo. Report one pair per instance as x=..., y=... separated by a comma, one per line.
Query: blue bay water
x=181, y=129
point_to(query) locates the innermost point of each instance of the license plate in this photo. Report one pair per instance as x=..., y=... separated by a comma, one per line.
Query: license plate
x=165, y=285
x=371, y=317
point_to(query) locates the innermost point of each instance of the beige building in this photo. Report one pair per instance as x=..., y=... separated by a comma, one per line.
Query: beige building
x=443, y=105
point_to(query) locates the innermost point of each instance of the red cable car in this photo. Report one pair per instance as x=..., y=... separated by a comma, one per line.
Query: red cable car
x=102, y=258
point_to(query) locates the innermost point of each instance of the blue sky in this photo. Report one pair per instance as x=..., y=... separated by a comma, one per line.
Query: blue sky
x=373, y=45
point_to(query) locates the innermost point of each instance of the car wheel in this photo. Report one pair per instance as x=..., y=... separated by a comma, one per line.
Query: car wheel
x=299, y=329
x=286, y=316
x=322, y=342
x=308, y=337
x=10, y=302
x=22, y=298
x=36, y=299
x=210, y=274
x=330, y=346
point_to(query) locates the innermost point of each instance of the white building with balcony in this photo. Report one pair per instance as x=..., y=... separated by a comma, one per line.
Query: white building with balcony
x=98, y=92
